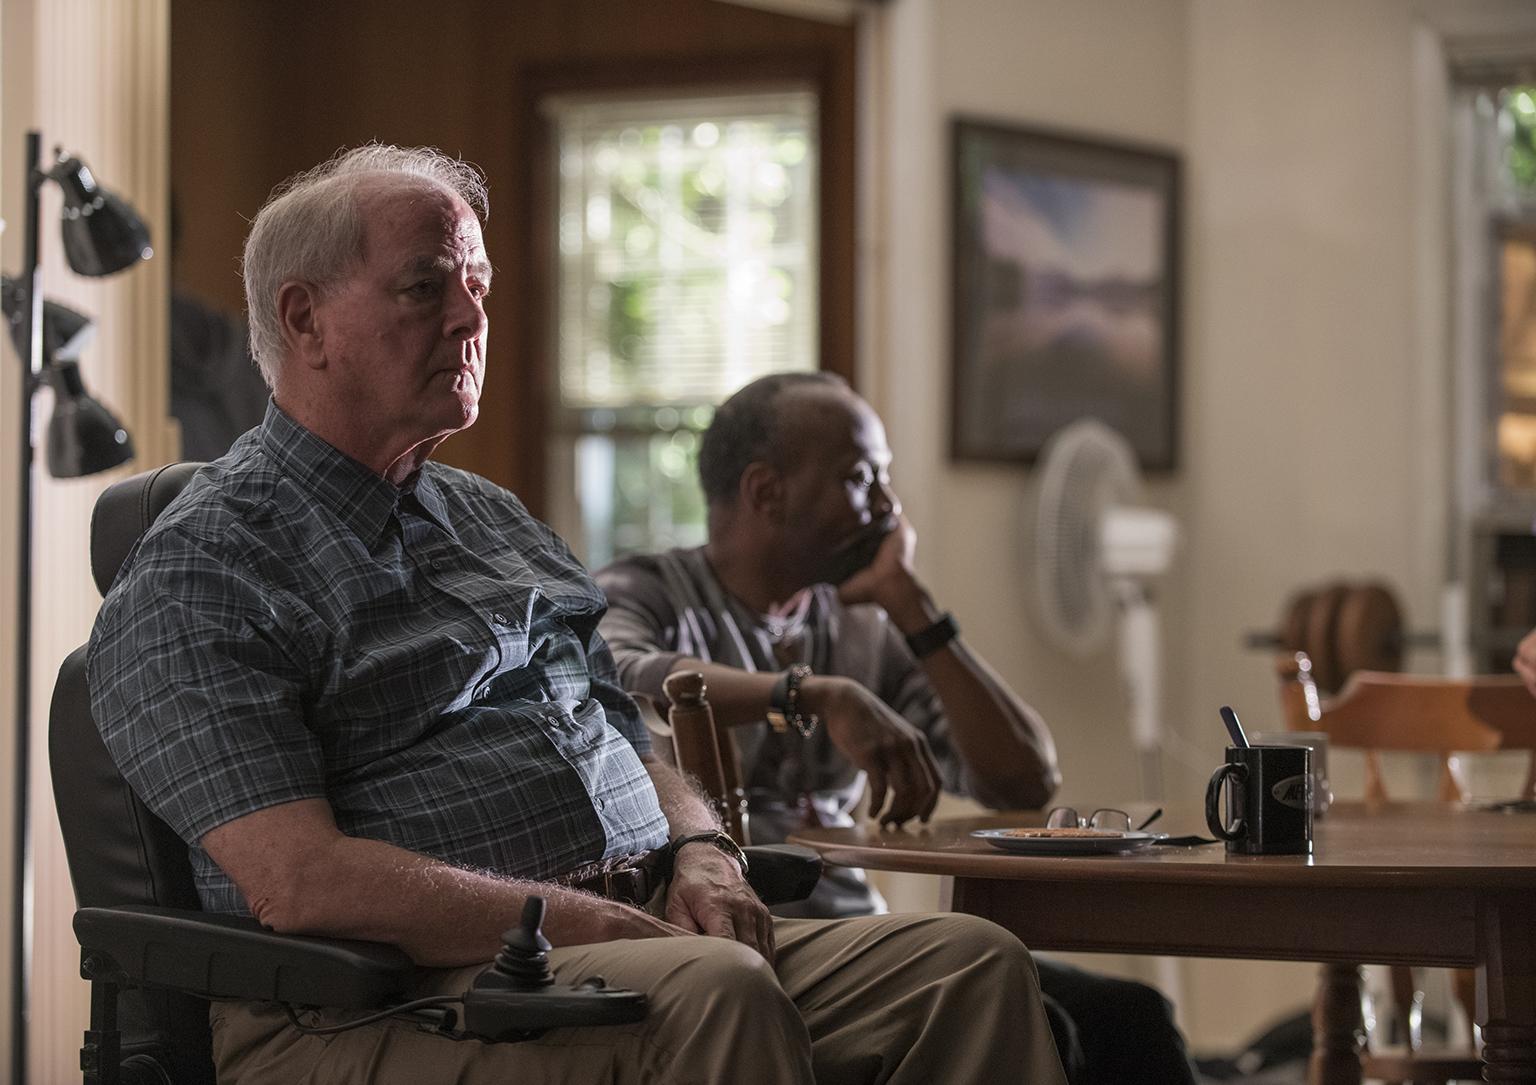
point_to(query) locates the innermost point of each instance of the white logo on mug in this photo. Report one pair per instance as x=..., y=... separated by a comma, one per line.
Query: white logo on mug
x=1293, y=791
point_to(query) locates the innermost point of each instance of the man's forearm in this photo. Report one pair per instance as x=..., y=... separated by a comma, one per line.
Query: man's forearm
x=687, y=811
x=1003, y=742
x=441, y=915
x=302, y=875
x=736, y=697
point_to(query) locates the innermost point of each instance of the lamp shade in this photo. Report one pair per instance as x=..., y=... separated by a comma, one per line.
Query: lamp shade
x=102, y=232
x=65, y=331
x=83, y=436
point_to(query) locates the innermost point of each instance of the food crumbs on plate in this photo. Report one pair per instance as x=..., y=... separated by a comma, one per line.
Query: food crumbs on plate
x=1036, y=833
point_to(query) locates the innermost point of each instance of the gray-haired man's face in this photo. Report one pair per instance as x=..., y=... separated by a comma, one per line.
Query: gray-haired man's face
x=405, y=333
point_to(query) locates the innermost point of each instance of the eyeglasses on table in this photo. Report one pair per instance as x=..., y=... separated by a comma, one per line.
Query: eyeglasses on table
x=1105, y=819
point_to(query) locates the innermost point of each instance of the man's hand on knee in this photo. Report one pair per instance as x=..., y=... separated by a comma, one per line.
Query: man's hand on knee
x=709, y=895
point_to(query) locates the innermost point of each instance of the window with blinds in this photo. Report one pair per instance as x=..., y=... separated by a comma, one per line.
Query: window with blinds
x=687, y=266
x=1505, y=120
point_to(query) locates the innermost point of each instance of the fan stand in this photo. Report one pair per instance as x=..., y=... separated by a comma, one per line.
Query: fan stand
x=1141, y=666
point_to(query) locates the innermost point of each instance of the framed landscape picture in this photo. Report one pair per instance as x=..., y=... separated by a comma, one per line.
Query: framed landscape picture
x=1065, y=292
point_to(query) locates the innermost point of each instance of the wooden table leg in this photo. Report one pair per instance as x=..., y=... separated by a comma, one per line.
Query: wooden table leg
x=1338, y=1026
x=1506, y=988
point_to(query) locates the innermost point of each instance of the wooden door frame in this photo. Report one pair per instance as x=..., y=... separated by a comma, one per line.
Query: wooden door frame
x=828, y=71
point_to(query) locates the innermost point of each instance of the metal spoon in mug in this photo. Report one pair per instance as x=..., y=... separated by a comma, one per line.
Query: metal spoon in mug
x=1234, y=728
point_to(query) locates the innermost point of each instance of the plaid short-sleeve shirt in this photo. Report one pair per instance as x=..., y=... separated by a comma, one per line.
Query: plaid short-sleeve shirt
x=425, y=659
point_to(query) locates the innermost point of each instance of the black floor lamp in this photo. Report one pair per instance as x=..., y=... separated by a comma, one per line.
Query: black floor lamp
x=102, y=234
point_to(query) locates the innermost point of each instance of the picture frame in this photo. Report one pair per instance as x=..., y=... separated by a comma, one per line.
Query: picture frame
x=1066, y=300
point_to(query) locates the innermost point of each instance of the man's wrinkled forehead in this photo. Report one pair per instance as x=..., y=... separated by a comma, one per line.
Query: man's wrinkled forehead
x=392, y=202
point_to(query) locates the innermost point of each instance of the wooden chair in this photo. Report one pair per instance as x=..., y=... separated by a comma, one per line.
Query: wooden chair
x=1347, y=640
x=1376, y=711
x=688, y=740
x=1342, y=628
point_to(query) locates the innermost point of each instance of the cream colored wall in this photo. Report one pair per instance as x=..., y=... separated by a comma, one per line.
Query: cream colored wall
x=1061, y=64
x=1058, y=64
x=1312, y=386
x=1114, y=69
x=93, y=76
x=1307, y=431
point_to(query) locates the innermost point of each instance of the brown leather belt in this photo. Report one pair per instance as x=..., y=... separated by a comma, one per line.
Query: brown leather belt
x=629, y=879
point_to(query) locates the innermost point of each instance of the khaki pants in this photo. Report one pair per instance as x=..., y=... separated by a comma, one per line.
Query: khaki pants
x=910, y=1000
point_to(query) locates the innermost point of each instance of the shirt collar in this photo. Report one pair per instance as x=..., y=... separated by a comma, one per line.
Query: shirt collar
x=423, y=493
x=360, y=498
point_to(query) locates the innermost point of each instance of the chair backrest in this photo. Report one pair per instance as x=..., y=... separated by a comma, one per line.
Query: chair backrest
x=1347, y=639
x=1376, y=710
x=1344, y=627
x=118, y=851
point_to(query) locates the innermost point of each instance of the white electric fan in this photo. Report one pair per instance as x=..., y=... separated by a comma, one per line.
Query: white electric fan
x=1096, y=549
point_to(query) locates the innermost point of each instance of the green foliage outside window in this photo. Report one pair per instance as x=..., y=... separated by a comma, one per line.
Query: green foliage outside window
x=687, y=266
x=1518, y=116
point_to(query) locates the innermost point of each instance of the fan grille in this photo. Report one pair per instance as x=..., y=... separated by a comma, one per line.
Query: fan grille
x=1088, y=468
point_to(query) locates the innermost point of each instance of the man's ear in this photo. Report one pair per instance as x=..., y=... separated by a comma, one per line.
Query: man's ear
x=297, y=312
x=762, y=492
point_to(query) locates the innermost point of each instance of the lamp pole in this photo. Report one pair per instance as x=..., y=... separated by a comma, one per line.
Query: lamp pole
x=102, y=235
x=21, y=855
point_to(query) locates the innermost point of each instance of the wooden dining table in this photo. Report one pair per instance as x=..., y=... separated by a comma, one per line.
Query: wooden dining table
x=1399, y=883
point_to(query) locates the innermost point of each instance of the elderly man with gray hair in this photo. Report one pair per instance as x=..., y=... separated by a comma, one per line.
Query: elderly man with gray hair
x=368, y=691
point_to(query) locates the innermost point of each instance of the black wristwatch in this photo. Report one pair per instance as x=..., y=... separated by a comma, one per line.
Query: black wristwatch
x=930, y=639
x=784, y=703
x=715, y=838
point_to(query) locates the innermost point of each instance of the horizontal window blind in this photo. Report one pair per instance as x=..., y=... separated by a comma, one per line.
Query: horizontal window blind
x=687, y=247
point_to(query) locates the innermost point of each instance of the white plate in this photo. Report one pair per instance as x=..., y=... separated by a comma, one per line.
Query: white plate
x=1065, y=845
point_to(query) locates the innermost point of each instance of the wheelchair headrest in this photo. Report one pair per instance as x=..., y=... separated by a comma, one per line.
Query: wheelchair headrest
x=125, y=510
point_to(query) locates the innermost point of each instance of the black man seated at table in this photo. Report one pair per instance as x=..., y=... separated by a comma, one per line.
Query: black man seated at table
x=836, y=668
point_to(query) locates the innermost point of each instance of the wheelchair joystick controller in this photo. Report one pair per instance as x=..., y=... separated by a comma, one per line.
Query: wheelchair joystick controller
x=523, y=963
x=517, y=998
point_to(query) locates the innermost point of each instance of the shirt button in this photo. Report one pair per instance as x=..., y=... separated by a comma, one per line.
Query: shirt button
x=499, y=618
x=602, y=804
x=435, y=564
x=483, y=692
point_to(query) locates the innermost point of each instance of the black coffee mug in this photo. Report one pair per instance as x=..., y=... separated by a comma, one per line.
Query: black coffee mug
x=1269, y=800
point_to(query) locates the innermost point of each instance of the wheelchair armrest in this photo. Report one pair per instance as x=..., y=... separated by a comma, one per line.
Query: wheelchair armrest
x=221, y=956
x=781, y=873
